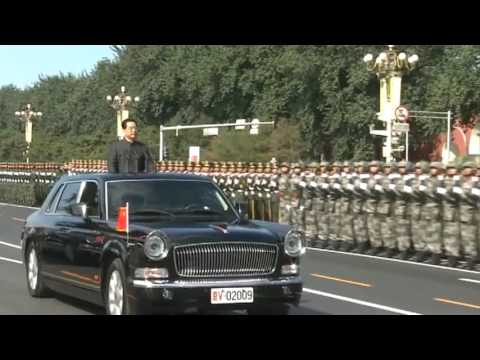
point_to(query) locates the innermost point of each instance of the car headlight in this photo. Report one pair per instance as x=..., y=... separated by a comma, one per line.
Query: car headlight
x=156, y=246
x=295, y=243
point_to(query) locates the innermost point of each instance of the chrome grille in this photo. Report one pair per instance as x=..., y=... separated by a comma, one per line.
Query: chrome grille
x=225, y=260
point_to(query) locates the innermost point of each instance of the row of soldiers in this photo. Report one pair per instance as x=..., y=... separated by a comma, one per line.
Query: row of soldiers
x=420, y=212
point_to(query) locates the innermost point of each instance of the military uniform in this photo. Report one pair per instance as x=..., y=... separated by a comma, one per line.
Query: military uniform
x=431, y=219
x=468, y=210
x=374, y=192
x=418, y=199
x=360, y=194
x=308, y=195
x=385, y=210
x=346, y=233
x=284, y=194
x=320, y=204
x=451, y=224
x=297, y=219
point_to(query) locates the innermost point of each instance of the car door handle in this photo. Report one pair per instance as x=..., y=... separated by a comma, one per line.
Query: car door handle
x=64, y=230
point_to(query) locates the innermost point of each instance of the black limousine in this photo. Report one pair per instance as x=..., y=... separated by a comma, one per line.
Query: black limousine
x=179, y=244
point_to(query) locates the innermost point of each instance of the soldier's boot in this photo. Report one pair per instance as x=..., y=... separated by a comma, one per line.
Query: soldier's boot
x=470, y=264
x=361, y=248
x=322, y=244
x=374, y=251
x=420, y=256
x=433, y=260
x=402, y=255
x=334, y=245
x=346, y=246
x=452, y=261
x=388, y=253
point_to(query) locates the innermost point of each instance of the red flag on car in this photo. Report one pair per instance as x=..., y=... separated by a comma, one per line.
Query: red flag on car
x=122, y=221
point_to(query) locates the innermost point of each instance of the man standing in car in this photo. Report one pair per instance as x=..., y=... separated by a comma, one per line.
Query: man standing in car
x=129, y=155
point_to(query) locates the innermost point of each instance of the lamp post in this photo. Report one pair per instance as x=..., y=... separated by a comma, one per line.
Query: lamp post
x=26, y=116
x=389, y=67
x=121, y=103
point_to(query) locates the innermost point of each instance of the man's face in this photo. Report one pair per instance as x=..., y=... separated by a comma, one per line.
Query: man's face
x=388, y=170
x=434, y=171
x=130, y=131
x=467, y=171
x=402, y=170
x=451, y=172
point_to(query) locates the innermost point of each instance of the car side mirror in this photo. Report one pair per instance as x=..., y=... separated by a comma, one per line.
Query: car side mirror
x=80, y=210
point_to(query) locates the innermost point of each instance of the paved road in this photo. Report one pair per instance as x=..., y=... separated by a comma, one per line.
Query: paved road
x=335, y=283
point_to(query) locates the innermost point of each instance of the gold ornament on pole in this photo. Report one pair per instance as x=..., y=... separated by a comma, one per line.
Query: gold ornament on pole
x=26, y=116
x=389, y=66
x=121, y=103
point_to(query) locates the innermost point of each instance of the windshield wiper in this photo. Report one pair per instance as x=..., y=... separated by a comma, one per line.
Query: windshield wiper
x=152, y=212
x=199, y=211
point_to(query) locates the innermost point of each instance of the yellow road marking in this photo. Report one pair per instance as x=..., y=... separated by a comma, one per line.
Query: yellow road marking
x=18, y=219
x=457, y=303
x=342, y=280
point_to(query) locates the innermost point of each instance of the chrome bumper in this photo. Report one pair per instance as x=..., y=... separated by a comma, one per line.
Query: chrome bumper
x=182, y=284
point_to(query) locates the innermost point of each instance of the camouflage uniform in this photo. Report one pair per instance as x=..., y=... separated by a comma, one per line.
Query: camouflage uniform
x=431, y=218
x=346, y=215
x=374, y=191
x=358, y=210
x=468, y=218
x=451, y=225
x=334, y=193
x=320, y=204
x=297, y=186
x=284, y=194
x=385, y=210
x=417, y=204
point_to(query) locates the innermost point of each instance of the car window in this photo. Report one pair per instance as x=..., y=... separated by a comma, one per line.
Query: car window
x=182, y=198
x=90, y=197
x=68, y=198
x=54, y=200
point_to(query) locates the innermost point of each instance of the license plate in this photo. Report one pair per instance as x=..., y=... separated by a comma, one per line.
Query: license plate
x=231, y=296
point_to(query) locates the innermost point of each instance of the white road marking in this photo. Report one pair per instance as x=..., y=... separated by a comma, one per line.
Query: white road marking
x=19, y=206
x=11, y=245
x=360, y=302
x=395, y=260
x=470, y=280
x=10, y=260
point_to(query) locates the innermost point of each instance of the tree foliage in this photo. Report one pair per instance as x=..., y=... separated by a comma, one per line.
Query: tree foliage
x=321, y=97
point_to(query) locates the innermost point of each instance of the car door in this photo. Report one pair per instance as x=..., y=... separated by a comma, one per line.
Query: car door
x=89, y=239
x=60, y=246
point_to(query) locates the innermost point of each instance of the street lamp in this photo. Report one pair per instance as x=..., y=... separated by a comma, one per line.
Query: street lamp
x=121, y=103
x=26, y=116
x=389, y=67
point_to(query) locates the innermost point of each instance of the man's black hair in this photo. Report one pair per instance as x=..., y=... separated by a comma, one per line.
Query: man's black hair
x=124, y=122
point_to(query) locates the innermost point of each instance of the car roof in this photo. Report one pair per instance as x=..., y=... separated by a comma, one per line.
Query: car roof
x=109, y=177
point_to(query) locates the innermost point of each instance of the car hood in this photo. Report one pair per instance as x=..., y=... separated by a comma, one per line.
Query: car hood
x=183, y=233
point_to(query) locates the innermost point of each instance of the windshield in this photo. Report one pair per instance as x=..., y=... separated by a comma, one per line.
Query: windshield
x=169, y=200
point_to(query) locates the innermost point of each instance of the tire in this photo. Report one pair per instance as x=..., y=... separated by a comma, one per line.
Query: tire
x=35, y=282
x=116, y=290
x=280, y=309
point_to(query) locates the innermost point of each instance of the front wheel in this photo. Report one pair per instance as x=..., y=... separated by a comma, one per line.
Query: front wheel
x=35, y=283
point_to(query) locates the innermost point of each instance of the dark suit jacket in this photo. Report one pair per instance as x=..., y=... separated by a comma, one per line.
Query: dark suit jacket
x=126, y=157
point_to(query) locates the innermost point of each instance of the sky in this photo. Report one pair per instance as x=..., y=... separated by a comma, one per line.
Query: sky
x=21, y=65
